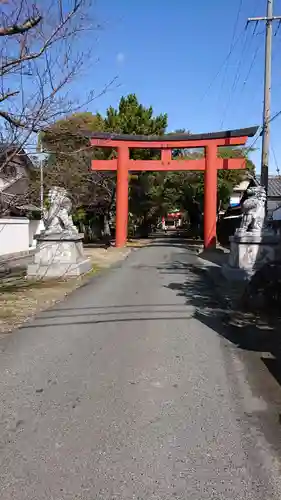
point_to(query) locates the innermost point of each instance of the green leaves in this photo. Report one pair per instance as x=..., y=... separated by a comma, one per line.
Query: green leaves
x=151, y=194
x=131, y=117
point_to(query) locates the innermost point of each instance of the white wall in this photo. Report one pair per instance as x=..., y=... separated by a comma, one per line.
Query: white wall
x=14, y=235
x=34, y=228
x=277, y=214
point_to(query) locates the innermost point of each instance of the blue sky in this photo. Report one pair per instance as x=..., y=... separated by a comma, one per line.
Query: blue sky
x=169, y=53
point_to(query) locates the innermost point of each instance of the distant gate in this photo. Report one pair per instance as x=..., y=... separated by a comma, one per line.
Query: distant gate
x=210, y=163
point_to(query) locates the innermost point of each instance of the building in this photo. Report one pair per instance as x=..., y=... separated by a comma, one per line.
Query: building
x=273, y=194
x=238, y=192
x=19, y=219
x=14, y=178
x=231, y=218
x=276, y=215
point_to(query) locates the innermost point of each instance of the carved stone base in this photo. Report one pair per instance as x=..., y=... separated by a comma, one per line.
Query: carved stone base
x=249, y=252
x=59, y=256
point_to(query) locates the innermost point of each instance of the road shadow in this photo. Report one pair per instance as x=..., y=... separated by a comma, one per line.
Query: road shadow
x=171, y=239
x=242, y=330
x=217, y=256
x=175, y=242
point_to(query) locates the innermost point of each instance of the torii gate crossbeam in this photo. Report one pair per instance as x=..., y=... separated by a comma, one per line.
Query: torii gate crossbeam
x=210, y=163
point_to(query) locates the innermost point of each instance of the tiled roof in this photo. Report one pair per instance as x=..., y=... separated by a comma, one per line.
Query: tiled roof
x=6, y=148
x=274, y=185
x=18, y=187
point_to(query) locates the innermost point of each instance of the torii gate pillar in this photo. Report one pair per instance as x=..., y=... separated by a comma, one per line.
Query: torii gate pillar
x=122, y=196
x=210, y=197
x=210, y=163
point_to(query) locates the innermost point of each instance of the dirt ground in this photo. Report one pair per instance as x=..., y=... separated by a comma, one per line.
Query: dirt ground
x=20, y=299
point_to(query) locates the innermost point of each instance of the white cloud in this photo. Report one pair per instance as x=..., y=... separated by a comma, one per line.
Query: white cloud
x=120, y=58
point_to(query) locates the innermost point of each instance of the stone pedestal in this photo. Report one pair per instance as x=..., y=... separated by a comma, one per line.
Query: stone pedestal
x=57, y=256
x=249, y=251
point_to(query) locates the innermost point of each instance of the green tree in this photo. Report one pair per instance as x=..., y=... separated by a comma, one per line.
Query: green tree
x=179, y=188
x=152, y=194
x=69, y=160
x=70, y=155
x=132, y=117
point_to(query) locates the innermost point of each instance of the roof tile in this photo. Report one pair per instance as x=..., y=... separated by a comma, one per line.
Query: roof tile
x=274, y=185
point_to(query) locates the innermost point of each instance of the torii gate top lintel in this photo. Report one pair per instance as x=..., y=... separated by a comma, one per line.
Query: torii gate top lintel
x=168, y=141
x=209, y=163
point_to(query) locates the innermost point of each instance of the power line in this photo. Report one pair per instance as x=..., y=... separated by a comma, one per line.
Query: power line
x=237, y=77
x=225, y=62
x=231, y=44
x=275, y=116
x=252, y=65
x=268, y=19
x=236, y=22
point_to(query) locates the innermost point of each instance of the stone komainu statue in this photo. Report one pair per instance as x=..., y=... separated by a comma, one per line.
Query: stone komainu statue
x=57, y=218
x=253, y=210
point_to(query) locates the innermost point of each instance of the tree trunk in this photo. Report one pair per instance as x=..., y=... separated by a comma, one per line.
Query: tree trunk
x=106, y=225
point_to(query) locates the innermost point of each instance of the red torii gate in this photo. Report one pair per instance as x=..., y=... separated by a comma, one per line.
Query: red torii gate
x=210, y=163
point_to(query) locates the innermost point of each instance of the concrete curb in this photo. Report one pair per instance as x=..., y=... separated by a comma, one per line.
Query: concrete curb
x=11, y=257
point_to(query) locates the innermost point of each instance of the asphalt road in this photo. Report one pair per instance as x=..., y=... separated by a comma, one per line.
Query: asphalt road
x=128, y=390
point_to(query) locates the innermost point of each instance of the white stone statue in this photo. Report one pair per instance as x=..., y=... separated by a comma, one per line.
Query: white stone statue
x=56, y=217
x=253, y=210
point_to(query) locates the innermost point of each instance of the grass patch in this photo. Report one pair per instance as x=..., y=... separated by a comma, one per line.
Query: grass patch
x=21, y=299
x=138, y=243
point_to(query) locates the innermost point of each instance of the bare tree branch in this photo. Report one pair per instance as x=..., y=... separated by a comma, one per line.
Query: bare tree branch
x=17, y=29
x=8, y=94
x=43, y=46
x=40, y=55
x=14, y=121
x=52, y=39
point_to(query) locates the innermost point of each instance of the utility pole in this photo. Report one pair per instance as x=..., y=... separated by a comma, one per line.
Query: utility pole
x=269, y=18
x=41, y=161
x=41, y=184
